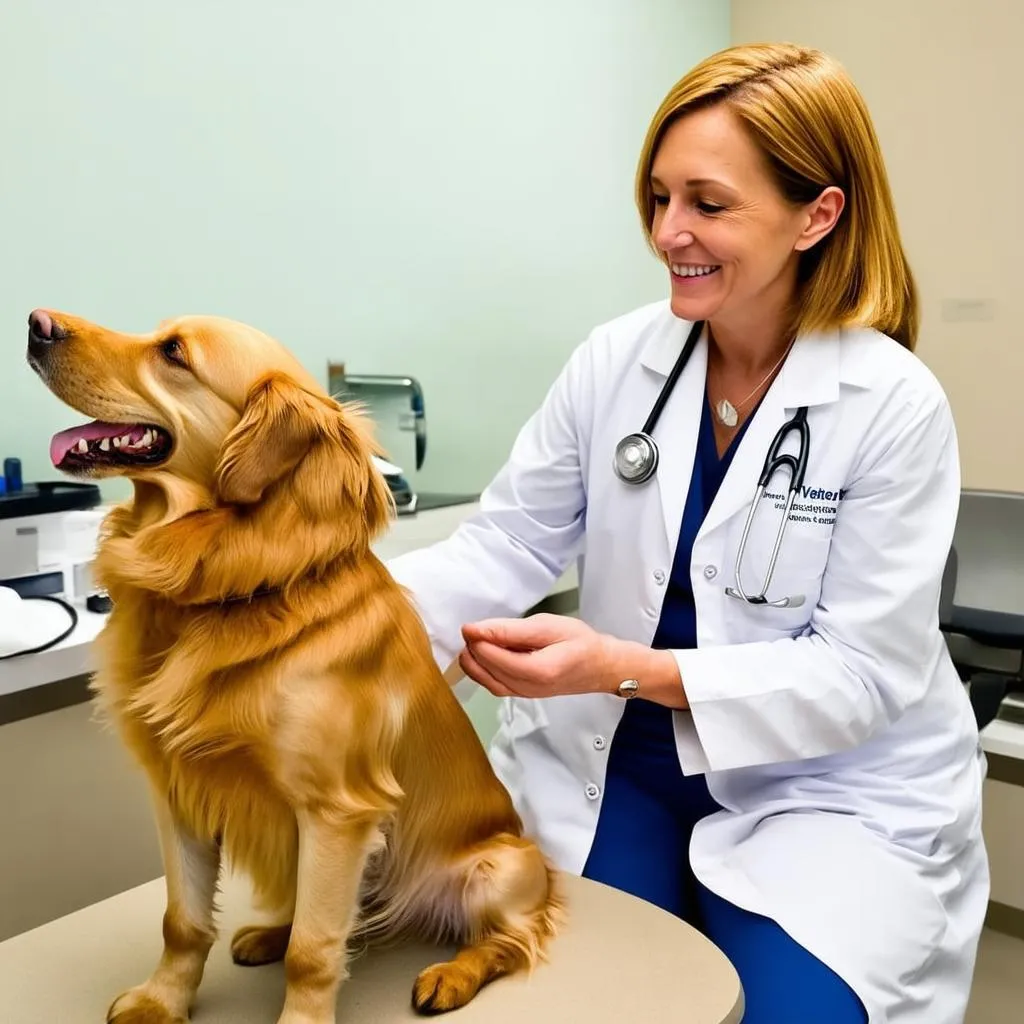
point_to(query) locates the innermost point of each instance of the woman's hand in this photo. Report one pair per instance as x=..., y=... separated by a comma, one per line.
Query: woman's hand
x=552, y=655
x=539, y=656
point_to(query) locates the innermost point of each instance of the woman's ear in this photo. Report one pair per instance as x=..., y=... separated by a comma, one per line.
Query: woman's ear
x=822, y=215
x=279, y=424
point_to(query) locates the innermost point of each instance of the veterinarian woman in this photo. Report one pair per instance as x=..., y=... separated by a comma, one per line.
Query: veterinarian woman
x=800, y=776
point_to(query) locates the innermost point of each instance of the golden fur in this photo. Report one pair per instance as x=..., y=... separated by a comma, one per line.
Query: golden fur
x=278, y=688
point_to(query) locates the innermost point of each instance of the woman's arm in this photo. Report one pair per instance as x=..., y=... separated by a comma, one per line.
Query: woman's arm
x=868, y=655
x=873, y=643
x=507, y=557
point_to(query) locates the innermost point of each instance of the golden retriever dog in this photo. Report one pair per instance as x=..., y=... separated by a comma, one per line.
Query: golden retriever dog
x=275, y=683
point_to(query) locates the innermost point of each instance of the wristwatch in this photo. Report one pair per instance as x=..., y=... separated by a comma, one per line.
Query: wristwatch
x=628, y=689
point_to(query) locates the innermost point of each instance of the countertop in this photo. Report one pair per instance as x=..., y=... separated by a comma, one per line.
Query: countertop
x=619, y=959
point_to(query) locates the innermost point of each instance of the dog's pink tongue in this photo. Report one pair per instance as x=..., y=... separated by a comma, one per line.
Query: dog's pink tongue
x=63, y=442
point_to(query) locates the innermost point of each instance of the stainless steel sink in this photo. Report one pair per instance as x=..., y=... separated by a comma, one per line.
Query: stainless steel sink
x=426, y=500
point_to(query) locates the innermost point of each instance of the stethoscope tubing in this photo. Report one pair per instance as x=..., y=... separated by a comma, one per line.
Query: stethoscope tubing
x=643, y=442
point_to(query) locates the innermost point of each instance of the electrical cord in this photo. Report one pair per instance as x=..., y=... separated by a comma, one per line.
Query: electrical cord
x=56, y=640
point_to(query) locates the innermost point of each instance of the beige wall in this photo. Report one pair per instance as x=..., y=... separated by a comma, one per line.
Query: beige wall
x=1004, y=838
x=943, y=81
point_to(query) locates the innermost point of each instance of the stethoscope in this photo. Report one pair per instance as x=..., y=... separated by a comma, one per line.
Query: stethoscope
x=636, y=461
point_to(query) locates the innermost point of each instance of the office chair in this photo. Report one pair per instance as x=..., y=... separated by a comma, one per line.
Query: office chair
x=981, y=607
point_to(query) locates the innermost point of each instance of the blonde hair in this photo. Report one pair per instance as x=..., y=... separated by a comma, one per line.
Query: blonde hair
x=813, y=127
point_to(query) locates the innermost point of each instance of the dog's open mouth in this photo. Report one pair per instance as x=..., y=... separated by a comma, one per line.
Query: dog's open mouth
x=99, y=445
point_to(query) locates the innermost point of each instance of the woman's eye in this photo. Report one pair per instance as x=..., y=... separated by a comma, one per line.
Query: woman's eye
x=709, y=208
x=173, y=352
x=660, y=200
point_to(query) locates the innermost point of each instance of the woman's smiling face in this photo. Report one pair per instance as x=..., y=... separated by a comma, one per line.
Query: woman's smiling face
x=731, y=239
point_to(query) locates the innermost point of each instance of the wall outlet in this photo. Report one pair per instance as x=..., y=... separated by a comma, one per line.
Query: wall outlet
x=961, y=311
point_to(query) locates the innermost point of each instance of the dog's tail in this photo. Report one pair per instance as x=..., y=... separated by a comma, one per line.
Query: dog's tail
x=511, y=907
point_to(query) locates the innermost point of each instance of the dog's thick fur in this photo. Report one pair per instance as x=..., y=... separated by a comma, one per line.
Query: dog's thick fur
x=278, y=687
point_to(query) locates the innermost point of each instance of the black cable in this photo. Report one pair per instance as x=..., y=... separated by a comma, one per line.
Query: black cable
x=56, y=640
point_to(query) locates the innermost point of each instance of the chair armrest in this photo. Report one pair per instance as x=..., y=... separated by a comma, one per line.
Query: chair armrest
x=1003, y=630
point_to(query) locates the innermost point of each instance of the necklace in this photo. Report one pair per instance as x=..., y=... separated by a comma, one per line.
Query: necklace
x=729, y=413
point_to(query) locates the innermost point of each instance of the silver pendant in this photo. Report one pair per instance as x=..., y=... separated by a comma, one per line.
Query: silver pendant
x=727, y=412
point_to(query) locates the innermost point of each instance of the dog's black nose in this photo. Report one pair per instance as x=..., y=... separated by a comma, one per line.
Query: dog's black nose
x=42, y=329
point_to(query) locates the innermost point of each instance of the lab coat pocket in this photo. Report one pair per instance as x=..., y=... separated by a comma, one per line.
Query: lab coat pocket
x=799, y=569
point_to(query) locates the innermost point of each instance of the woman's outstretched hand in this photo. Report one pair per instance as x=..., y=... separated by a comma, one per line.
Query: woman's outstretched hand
x=553, y=655
x=539, y=656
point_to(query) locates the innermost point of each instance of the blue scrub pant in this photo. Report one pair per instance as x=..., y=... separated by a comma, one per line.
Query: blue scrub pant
x=642, y=847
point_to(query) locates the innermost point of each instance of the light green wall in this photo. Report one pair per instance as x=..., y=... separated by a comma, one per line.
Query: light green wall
x=442, y=189
x=482, y=709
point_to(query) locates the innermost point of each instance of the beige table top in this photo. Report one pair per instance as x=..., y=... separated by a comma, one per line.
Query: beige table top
x=619, y=959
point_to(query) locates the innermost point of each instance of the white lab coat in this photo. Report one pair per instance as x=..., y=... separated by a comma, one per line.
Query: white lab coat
x=836, y=735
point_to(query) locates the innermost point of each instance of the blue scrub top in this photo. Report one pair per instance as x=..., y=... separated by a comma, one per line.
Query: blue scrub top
x=643, y=765
x=677, y=627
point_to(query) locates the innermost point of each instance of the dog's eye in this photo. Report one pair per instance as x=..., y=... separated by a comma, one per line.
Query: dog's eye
x=173, y=352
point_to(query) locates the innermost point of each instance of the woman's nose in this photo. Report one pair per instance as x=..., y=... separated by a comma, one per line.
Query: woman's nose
x=673, y=233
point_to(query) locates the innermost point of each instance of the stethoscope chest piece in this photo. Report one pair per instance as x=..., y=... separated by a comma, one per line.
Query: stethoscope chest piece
x=636, y=455
x=636, y=458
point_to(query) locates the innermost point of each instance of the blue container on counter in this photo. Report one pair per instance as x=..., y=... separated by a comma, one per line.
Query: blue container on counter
x=12, y=475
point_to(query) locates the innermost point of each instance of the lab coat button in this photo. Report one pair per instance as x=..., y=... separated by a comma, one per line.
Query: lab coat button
x=710, y=572
x=599, y=743
x=592, y=791
x=659, y=577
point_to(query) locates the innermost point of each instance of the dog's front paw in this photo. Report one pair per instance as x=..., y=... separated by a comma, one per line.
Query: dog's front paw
x=137, y=1006
x=259, y=944
x=296, y=1017
x=442, y=988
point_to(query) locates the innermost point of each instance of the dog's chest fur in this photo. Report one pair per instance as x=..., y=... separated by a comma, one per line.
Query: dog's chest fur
x=204, y=735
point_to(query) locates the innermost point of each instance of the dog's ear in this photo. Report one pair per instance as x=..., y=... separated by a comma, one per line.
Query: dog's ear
x=279, y=424
x=325, y=449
